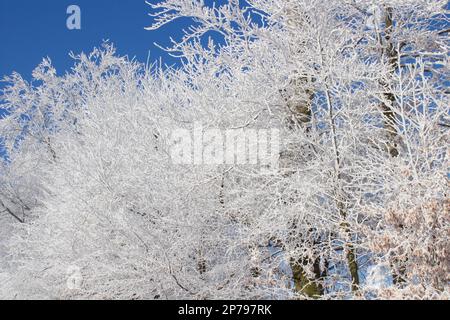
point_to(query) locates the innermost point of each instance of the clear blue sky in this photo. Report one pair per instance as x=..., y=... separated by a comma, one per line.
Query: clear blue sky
x=33, y=29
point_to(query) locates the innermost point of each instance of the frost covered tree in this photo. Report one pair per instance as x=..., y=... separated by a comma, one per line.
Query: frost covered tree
x=357, y=208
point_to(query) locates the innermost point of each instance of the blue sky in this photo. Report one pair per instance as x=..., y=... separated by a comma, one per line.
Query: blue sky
x=31, y=30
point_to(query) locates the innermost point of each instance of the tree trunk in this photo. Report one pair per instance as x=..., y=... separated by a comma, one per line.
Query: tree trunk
x=398, y=274
x=388, y=112
x=300, y=117
x=310, y=287
x=351, y=254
